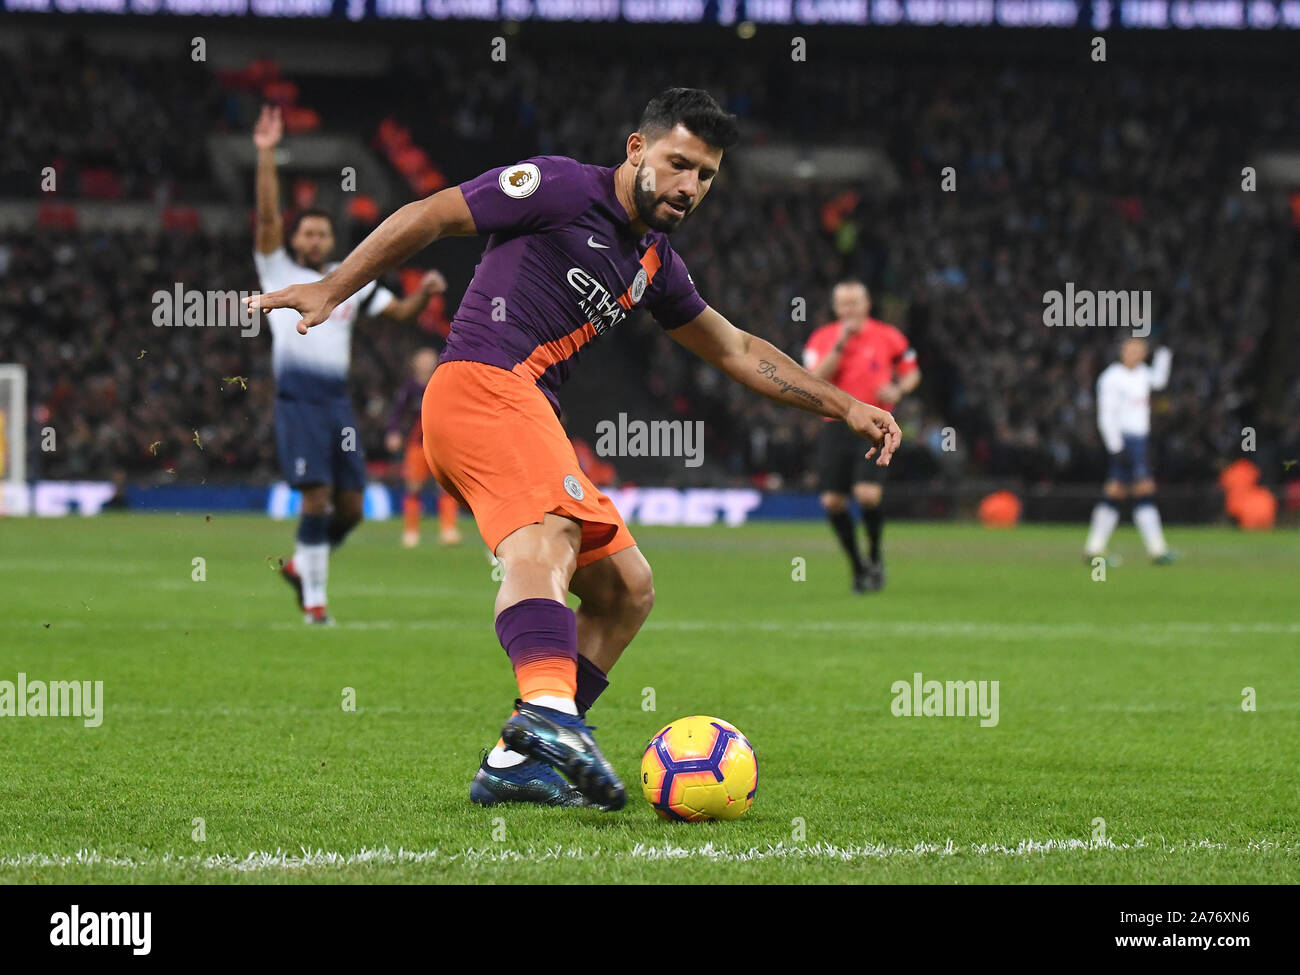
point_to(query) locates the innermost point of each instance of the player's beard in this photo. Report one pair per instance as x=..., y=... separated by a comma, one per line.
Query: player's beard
x=647, y=206
x=303, y=258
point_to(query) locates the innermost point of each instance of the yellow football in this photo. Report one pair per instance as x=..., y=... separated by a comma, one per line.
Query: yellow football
x=699, y=768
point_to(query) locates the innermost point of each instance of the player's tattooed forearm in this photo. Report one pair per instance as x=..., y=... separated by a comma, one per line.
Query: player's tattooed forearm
x=768, y=371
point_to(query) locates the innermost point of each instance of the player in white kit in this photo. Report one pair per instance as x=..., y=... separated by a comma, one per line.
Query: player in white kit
x=1124, y=418
x=316, y=431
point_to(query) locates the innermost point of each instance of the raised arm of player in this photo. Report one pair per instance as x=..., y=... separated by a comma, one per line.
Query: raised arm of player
x=764, y=368
x=269, y=236
x=409, y=308
x=1160, y=363
x=411, y=229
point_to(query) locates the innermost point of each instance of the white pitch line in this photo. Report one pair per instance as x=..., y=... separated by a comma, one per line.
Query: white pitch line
x=1140, y=632
x=261, y=860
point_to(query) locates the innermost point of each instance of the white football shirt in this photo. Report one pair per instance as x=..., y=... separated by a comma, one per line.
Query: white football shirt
x=1124, y=398
x=326, y=350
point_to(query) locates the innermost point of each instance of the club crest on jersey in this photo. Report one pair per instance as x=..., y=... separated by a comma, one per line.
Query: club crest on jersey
x=572, y=488
x=638, y=284
x=520, y=181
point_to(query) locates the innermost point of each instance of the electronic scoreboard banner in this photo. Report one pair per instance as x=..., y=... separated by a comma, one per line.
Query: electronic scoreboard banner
x=1088, y=14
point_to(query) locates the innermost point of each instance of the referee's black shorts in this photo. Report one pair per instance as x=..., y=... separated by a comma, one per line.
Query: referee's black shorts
x=842, y=461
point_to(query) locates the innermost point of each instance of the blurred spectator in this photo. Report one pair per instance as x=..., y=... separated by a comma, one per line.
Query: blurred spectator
x=1122, y=180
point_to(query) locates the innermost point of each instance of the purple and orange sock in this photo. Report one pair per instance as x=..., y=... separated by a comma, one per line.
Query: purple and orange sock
x=591, y=684
x=541, y=638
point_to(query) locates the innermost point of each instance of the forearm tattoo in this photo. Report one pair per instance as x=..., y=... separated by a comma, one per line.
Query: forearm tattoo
x=767, y=370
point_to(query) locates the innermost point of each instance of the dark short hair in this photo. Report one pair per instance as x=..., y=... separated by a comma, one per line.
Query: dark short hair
x=694, y=108
x=303, y=215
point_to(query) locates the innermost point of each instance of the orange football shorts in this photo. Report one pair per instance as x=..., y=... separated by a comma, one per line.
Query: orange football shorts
x=415, y=466
x=494, y=443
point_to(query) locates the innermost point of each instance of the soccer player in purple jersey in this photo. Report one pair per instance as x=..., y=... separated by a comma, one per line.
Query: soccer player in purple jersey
x=405, y=426
x=573, y=249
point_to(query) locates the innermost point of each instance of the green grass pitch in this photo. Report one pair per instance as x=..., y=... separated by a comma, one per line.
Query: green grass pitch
x=1122, y=753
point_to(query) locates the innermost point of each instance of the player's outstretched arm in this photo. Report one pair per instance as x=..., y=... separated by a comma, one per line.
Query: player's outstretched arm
x=270, y=225
x=758, y=364
x=412, y=228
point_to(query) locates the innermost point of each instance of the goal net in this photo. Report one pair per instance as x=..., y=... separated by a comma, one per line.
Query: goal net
x=13, y=440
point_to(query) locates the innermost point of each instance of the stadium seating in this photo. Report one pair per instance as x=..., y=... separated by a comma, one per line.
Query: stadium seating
x=1040, y=200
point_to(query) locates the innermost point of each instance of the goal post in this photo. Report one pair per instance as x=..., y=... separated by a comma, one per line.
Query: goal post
x=13, y=439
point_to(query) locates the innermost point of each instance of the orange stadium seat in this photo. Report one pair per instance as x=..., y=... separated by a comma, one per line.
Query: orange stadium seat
x=305, y=193
x=1240, y=473
x=56, y=216
x=299, y=119
x=363, y=209
x=1256, y=509
x=100, y=184
x=1291, y=497
x=182, y=219
x=280, y=91
x=1001, y=509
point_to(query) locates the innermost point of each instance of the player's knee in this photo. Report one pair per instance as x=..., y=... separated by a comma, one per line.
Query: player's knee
x=619, y=589
x=349, y=511
x=549, y=548
x=315, y=500
x=637, y=592
x=867, y=495
x=833, y=503
x=1114, y=491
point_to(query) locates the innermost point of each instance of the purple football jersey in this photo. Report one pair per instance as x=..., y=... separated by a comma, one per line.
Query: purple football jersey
x=562, y=266
x=404, y=417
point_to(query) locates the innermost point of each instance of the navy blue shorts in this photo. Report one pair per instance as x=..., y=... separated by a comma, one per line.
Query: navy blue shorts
x=1131, y=463
x=320, y=443
x=842, y=460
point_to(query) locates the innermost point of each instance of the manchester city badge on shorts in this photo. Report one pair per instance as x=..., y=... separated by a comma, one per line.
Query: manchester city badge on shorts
x=572, y=488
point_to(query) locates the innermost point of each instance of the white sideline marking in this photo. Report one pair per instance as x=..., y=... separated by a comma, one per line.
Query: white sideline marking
x=919, y=628
x=260, y=860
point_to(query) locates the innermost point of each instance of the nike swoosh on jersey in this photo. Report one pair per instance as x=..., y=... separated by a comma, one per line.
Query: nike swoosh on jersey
x=591, y=242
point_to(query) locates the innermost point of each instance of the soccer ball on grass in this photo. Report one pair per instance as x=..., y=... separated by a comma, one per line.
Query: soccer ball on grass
x=699, y=768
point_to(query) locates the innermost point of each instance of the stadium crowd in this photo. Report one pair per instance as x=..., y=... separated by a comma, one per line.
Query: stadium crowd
x=1129, y=179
